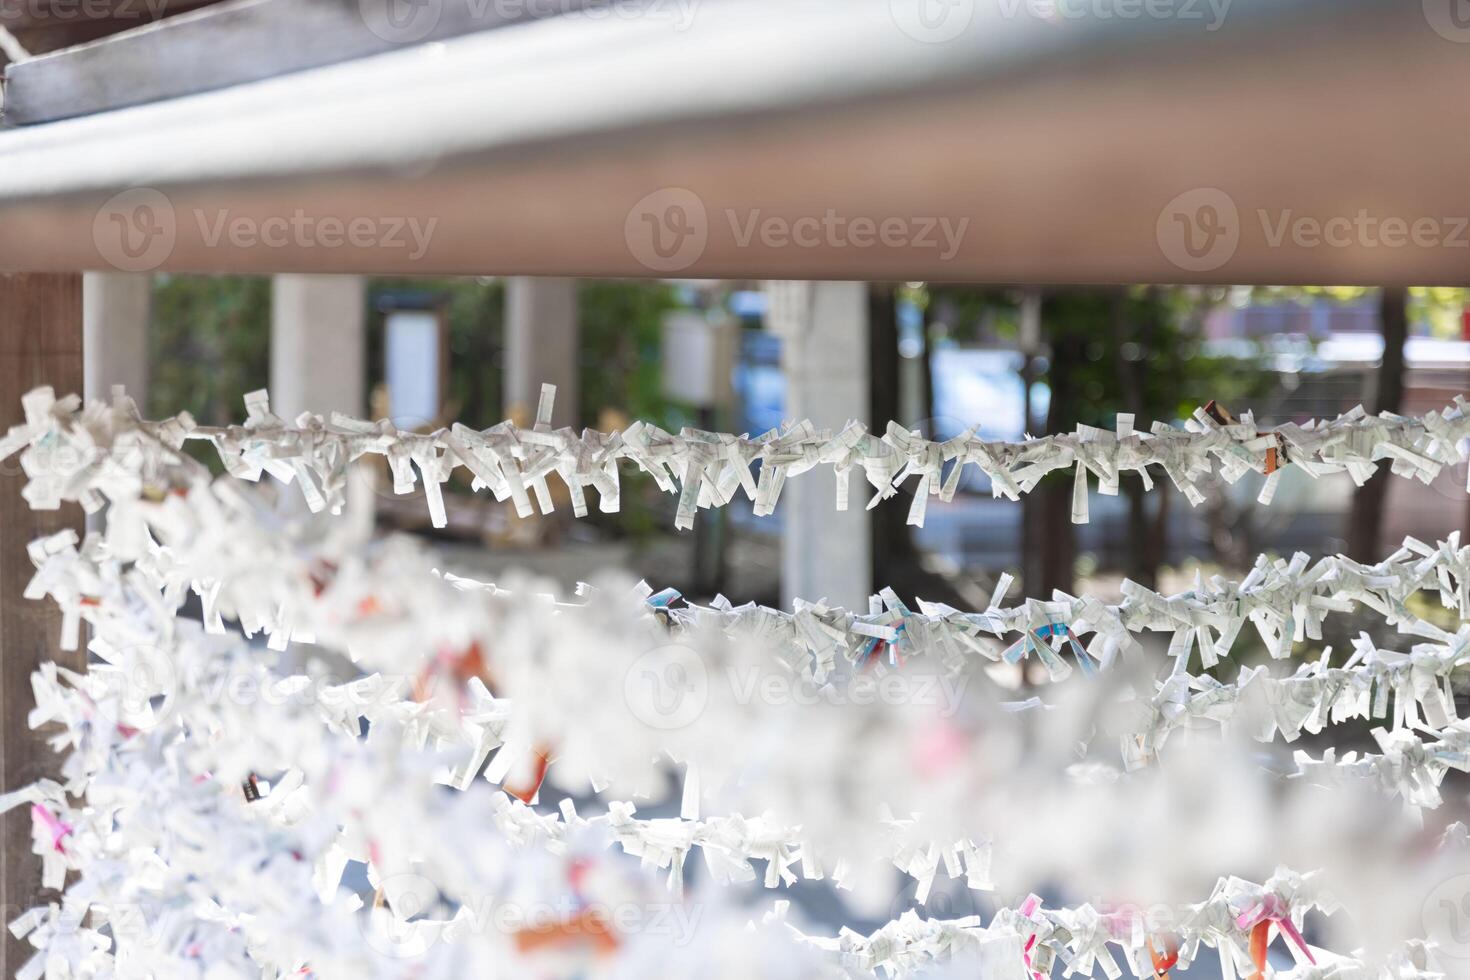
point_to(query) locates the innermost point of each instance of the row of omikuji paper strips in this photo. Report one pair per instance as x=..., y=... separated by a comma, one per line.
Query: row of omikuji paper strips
x=706, y=469
x=156, y=804
x=137, y=542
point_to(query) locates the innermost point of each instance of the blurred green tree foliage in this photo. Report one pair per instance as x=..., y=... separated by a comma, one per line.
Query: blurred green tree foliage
x=209, y=344
x=621, y=333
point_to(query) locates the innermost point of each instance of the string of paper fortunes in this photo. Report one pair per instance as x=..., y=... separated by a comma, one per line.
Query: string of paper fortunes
x=107, y=453
x=1235, y=919
x=707, y=468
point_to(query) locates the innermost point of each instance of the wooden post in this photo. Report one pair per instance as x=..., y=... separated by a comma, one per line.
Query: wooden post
x=40, y=343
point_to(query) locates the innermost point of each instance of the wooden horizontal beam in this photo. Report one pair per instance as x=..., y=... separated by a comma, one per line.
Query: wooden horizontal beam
x=1296, y=141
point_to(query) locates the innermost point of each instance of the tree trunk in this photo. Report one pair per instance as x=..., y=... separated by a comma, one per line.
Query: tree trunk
x=1365, y=518
x=892, y=543
x=1137, y=560
x=926, y=375
x=1140, y=560
x=1156, y=548
x=1056, y=535
x=896, y=558
x=1058, y=558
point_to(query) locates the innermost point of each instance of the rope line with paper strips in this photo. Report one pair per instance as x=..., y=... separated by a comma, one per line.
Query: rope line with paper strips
x=706, y=469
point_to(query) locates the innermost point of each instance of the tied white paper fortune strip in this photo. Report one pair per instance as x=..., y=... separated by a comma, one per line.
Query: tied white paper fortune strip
x=1407, y=767
x=706, y=469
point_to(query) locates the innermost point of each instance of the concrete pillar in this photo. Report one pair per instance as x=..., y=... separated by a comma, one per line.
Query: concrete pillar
x=825, y=553
x=318, y=345
x=319, y=364
x=116, y=307
x=541, y=341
